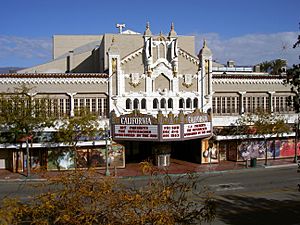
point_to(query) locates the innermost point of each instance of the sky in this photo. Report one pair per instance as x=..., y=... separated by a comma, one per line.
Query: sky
x=248, y=32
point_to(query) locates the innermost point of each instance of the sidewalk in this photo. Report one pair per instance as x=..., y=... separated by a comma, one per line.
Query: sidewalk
x=176, y=167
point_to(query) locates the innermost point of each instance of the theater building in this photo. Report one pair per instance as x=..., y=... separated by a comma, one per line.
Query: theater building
x=154, y=92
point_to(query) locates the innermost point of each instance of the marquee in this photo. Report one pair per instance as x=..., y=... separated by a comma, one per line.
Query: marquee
x=141, y=127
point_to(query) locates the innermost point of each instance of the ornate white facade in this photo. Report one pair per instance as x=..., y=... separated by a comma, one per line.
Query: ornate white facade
x=160, y=76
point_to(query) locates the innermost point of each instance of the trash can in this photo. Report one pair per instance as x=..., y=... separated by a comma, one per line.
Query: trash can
x=163, y=160
x=253, y=162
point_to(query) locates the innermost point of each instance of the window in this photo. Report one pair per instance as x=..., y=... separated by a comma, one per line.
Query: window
x=195, y=103
x=100, y=109
x=94, y=108
x=181, y=103
x=188, y=103
x=68, y=106
x=128, y=103
x=163, y=103
x=143, y=104
x=155, y=103
x=88, y=104
x=214, y=105
x=228, y=105
x=223, y=105
x=170, y=103
x=105, y=108
x=136, y=103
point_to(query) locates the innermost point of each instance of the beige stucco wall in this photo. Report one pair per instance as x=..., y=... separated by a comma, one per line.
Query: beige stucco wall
x=59, y=88
x=135, y=65
x=162, y=82
x=191, y=88
x=87, y=62
x=187, y=43
x=250, y=87
x=56, y=66
x=126, y=43
x=62, y=44
x=185, y=66
x=140, y=87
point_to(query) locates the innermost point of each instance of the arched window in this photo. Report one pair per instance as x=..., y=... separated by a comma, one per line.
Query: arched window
x=143, y=104
x=128, y=103
x=163, y=103
x=181, y=103
x=195, y=103
x=155, y=103
x=188, y=103
x=136, y=103
x=170, y=103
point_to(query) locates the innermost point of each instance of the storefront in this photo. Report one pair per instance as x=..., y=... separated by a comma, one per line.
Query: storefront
x=242, y=149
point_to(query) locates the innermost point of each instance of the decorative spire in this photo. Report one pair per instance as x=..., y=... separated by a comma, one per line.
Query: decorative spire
x=205, y=51
x=172, y=31
x=147, y=31
x=161, y=36
x=172, y=26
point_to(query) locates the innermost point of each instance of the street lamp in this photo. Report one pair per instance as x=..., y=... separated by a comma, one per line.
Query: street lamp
x=297, y=122
x=107, y=173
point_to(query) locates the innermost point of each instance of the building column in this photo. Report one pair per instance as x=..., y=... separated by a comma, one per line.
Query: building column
x=271, y=103
x=242, y=94
x=71, y=95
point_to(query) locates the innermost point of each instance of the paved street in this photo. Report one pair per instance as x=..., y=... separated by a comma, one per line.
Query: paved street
x=244, y=196
x=262, y=196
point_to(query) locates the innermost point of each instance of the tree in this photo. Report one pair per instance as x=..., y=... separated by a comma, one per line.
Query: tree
x=265, y=66
x=262, y=125
x=82, y=197
x=84, y=125
x=22, y=116
x=293, y=79
x=273, y=67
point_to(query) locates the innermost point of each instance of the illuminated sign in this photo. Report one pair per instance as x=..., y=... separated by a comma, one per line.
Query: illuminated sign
x=136, y=131
x=135, y=120
x=141, y=127
x=197, y=129
x=171, y=132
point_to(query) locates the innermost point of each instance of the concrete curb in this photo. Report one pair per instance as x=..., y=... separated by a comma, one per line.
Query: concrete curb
x=23, y=180
x=281, y=166
x=144, y=177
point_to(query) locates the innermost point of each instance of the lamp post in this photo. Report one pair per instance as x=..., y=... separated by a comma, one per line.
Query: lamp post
x=107, y=173
x=28, y=158
x=297, y=121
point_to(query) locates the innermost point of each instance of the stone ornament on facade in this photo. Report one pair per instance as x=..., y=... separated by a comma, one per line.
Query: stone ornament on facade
x=135, y=79
x=188, y=80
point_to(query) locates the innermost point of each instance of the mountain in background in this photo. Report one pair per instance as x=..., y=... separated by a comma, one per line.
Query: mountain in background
x=10, y=69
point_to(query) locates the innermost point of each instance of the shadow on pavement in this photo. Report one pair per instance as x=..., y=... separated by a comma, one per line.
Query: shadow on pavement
x=238, y=210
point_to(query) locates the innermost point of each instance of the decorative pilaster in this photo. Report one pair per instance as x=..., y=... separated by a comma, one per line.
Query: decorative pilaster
x=174, y=49
x=205, y=77
x=271, y=103
x=148, y=50
x=114, y=68
x=241, y=102
x=71, y=95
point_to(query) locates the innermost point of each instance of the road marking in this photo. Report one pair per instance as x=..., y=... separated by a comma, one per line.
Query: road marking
x=292, y=190
x=227, y=187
